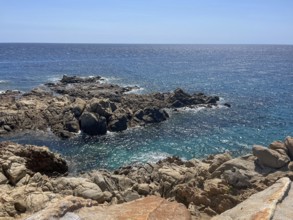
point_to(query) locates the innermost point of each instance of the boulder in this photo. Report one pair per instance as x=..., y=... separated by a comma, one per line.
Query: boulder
x=270, y=158
x=103, y=107
x=117, y=122
x=152, y=115
x=289, y=145
x=93, y=124
x=79, y=187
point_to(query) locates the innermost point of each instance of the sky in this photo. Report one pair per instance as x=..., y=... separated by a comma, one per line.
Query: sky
x=147, y=21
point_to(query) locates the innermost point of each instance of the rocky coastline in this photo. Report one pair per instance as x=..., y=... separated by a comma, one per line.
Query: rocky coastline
x=89, y=105
x=35, y=185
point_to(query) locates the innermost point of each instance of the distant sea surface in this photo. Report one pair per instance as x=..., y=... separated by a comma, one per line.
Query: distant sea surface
x=257, y=80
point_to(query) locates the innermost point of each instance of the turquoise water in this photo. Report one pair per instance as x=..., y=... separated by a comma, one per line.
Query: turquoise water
x=256, y=79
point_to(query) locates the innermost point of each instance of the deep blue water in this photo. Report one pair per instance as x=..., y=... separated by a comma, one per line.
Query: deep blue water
x=256, y=79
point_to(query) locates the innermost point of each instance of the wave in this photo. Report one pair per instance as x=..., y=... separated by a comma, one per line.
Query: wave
x=4, y=81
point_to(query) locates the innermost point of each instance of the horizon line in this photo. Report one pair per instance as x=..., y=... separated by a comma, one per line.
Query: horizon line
x=272, y=44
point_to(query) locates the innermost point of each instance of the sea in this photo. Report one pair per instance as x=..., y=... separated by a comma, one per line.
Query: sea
x=257, y=80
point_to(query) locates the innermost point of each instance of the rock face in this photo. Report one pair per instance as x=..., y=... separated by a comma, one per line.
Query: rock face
x=86, y=104
x=263, y=205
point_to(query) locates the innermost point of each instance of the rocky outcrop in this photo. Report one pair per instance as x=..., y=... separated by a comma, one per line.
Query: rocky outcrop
x=85, y=104
x=31, y=179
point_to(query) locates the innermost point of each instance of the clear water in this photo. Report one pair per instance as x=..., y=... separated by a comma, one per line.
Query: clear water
x=256, y=79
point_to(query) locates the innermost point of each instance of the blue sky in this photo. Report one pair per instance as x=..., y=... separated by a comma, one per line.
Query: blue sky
x=147, y=21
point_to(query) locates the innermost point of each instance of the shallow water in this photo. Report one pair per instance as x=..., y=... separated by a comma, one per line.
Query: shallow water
x=256, y=79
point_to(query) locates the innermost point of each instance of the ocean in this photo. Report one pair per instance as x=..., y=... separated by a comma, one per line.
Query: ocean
x=257, y=80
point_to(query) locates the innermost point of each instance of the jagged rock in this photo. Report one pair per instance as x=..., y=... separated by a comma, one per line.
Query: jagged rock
x=151, y=115
x=30, y=159
x=270, y=158
x=289, y=146
x=14, y=172
x=217, y=160
x=261, y=205
x=117, y=122
x=92, y=124
x=78, y=106
x=80, y=187
x=237, y=178
x=63, y=209
x=75, y=79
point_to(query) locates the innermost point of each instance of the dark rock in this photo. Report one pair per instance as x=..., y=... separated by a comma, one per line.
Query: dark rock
x=227, y=105
x=75, y=79
x=93, y=124
x=154, y=115
x=118, y=122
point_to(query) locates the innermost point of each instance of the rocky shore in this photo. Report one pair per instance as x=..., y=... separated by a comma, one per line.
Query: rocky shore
x=35, y=185
x=77, y=104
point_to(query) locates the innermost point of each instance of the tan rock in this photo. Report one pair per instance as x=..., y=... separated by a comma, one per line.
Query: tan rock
x=15, y=172
x=260, y=206
x=149, y=208
x=218, y=160
x=62, y=208
x=289, y=145
x=270, y=158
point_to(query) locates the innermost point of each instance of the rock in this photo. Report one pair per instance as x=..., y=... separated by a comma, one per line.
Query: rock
x=283, y=210
x=78, y=107
x=278, y=145
x=261, y=205
x=93, y=125
x=142, y=189
x=80, y=187
x=3, y=179
x=103, y=107
x=15, y=172
x=117, y=122
x=154, y=208
x=218, y=160
x=289, y=145
x=236, y=178
x=75, y=79
x=290, y=166
x=152, y=115
x=63, y=209
x=17, y=161
x=270, y=158
x=130, y=195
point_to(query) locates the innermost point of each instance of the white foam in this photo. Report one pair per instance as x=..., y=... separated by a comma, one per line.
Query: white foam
x=3, y=81
x=109, y=79
x=54, y=79
x=2, y=91
x=151, y=157
x=137, y=90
